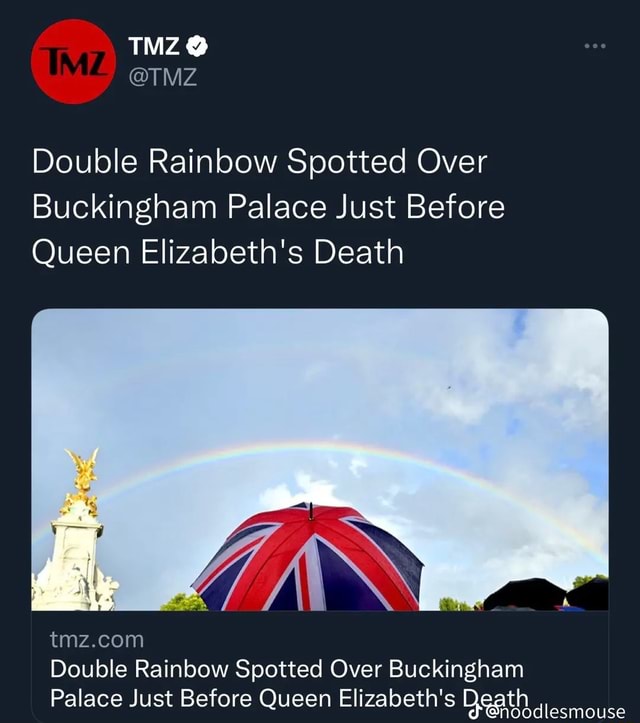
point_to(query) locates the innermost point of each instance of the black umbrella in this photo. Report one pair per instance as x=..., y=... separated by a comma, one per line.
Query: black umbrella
x=593, y=595
x=535, y=592
x=510, y=609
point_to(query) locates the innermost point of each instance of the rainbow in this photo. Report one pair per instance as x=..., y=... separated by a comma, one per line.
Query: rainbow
x=335, y=447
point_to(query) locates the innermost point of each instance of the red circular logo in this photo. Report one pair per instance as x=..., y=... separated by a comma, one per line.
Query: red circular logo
x=73, y=61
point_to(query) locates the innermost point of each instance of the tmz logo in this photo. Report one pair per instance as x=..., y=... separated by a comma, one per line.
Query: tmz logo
x=73, y=61
x=87, y=63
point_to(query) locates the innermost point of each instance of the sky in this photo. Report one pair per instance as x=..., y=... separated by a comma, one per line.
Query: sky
x=478, y=437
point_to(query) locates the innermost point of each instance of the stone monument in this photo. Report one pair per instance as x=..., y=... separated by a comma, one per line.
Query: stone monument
x=71, y=579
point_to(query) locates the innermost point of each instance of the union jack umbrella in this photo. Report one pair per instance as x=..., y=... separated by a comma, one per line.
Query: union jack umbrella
x=310, y=558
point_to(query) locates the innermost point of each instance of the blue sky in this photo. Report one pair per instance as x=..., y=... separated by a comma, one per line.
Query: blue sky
x=518, y=397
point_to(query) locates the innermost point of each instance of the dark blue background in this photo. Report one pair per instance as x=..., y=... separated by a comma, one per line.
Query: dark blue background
x=511, y=80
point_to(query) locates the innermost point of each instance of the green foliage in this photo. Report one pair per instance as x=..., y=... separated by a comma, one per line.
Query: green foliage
x=184, y=602
x=449, y=604
x=582, y=579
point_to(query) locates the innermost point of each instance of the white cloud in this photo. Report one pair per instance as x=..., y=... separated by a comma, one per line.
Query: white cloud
x=387, y=497
x=470, y=363
x=318, y=491
x=356, y=464
x=315, y=371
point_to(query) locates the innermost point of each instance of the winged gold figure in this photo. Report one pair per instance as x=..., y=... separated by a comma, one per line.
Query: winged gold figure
x=84, y=477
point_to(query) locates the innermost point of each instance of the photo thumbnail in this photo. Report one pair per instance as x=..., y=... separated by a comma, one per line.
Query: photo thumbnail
x=320, y=460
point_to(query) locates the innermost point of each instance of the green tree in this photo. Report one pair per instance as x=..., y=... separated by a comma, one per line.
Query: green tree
x=582, y=579
x=449, y=604
x=184, y=602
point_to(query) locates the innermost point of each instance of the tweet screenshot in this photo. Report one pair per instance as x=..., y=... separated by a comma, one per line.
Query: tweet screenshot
x=313, y=315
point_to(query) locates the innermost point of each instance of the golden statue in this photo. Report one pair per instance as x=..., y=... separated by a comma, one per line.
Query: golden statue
x=82, y=483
